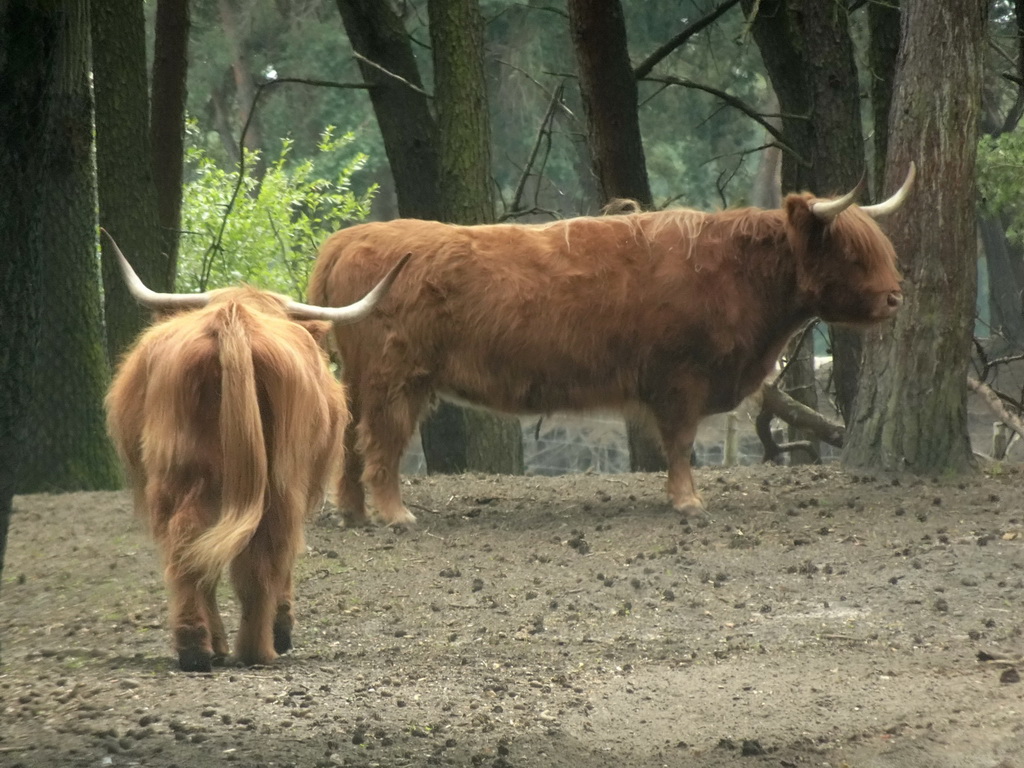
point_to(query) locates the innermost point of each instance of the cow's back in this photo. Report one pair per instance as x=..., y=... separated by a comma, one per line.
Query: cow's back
x=515, y=317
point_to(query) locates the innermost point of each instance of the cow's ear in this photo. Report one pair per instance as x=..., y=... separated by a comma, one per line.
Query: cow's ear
x=804, y=230
x=318, y=329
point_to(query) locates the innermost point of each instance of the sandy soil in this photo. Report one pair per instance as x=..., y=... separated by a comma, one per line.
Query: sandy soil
x=813, y=618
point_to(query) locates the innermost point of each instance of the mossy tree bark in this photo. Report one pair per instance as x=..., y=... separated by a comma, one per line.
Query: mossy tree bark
x=883, y=49
x=464, y=438
x=911, y=412
x=66, y=448
x=169, y=91
x=807, y=50
x=609, y=93
x=124, y=173
x=402, y=109
x=26, y=32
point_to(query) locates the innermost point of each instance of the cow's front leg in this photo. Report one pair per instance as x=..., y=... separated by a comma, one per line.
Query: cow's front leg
x=681, y=491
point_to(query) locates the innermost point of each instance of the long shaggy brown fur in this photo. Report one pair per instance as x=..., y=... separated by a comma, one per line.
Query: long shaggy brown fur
x=229, y=423
x=673, y=314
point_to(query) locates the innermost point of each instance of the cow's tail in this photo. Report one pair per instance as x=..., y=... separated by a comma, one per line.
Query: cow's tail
x=243, y=450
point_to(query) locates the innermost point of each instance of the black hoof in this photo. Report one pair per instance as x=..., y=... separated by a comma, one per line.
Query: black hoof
x=193, y=660
x=282, y=640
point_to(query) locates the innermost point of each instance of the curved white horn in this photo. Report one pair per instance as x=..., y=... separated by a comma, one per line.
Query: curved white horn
x=152, y=299
x=827, y=210
x=353, y=312
x=886, y=207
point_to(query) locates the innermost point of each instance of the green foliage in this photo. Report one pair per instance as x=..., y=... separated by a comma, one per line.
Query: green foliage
x=266, y=231
x=699, y=152
x=1001, y=179
x=280, y=40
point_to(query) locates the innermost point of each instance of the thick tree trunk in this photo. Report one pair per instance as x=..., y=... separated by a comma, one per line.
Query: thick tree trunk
x=409, y=131
x=609, y=94
x=808, y=52
x=167, y=124
x=67, y=448
x=399, y=103
x=250, y=136
x=883, y=48
x=124, y=177
x=911, y=410
x=27, y=33
x=1004, y=285
x=491, y=443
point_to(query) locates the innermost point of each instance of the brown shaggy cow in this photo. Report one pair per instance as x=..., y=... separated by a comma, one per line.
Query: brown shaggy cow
x=673, y=315
x=229, y=422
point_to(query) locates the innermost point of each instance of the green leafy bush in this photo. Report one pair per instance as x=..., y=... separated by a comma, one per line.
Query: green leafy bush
x=1001, y=179
x=265, y=231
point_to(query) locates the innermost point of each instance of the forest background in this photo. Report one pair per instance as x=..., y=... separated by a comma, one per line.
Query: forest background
x=231, y=137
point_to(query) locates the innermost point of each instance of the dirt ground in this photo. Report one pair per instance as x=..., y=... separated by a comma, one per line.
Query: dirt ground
x=812, y=618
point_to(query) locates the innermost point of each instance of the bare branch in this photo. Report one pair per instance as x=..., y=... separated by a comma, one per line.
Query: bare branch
x=391, y=74
x=644, y=67
x=536, y=211
x=733, y=102
x=807, y=329
x=798, y=415
x=544, y=130
x=318, y=83
x=995, y=403
x=763, y=429
x=215, y=246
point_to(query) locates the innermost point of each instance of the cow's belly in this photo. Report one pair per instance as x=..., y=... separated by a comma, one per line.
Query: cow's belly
x=514, y=389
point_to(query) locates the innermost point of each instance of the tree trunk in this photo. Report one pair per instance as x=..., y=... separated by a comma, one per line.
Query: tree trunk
x=1004, y=287
x=883, y=48
x=124, y=177
x=402, y=110
x=410, y=137
x=67, y=449
x=249, y=135
x=808, y=52
x=491, y=443
x=27, y=34
x=609, y=94
x=911, y=410
x=167, y=124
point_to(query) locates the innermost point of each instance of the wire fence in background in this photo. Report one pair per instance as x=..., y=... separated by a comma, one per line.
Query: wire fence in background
x=566, y=444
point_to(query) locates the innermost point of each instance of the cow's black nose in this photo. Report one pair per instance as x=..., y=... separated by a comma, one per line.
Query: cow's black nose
x=895, y=299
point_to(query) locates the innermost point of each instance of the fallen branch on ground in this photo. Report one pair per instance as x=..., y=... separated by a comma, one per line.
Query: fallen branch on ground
x=776, y=403
x=995, y=404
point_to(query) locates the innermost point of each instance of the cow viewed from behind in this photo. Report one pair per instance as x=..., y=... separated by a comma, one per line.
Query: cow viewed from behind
x=672, y=315
x=228, y=420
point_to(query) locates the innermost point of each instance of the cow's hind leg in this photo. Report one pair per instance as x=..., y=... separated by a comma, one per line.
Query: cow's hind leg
x=261, y=575
x=284, y=619
x=192, y=637
x=189, y=595
x=218, y=636
x=386, y=423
